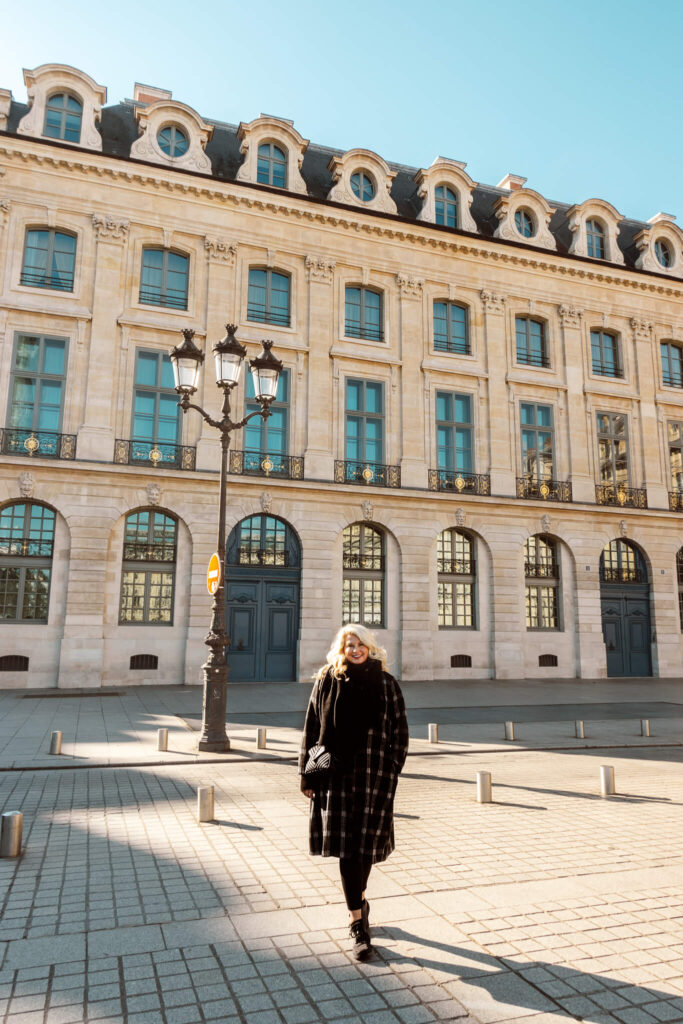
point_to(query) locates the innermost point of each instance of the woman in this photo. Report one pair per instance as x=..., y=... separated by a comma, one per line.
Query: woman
x=356, y=713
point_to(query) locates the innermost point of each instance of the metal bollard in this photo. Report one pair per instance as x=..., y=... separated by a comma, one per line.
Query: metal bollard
x=261, y=739
x=433, y=732
x=645, y=727
x=607, y=780
x=162, y=739
x=56, y=743
x=483, y=787
x=10, y=834
x=205, y=803
x=579, y=730
x=509, y=730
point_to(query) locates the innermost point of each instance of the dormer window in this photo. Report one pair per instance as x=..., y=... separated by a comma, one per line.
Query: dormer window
x=663, y=253
x=446, y=206
x=362, y=186
x=659, y=245
x=63, y=117
x=272, y=165
x=595, y=239
x=524, y=222
x=173, y=141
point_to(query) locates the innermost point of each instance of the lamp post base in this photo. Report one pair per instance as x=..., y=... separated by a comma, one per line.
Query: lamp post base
x=214, y=746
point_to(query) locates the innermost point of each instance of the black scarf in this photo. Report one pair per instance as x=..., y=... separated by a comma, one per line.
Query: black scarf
x=350, y=707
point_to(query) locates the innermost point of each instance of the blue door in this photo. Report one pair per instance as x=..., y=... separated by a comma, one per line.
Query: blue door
x=263, y=567
x=625, y=601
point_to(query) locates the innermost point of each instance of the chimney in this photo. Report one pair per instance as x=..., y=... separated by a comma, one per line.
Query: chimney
x=150, y=94
x=512, y=182
x=662, y=218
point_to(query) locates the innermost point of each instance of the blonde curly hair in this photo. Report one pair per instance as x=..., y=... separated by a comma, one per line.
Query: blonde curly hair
x=335, y=656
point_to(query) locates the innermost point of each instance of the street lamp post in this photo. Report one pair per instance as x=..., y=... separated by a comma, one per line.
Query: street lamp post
x=265, y=371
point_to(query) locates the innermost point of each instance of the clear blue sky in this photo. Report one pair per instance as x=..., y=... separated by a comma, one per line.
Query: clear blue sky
x=583, y=97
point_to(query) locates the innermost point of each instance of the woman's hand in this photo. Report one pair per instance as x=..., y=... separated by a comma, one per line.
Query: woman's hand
x=309, y=793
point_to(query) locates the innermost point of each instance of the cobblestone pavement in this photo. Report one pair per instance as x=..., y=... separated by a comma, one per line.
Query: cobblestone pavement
x=550, y=903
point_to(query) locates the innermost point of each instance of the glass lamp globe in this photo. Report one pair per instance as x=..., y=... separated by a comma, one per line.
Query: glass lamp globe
x=186, y=359
x=228, y=355
x=265, y=374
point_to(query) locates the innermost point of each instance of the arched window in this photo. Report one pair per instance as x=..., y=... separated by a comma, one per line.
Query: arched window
x=595, y=239
x=457, y=573
x=63, y=116
x=272, y=165
x=620, y=562
x=268, y=298
x=446, y=206
x=363, y=314
x=679, y=577
x=27, y=534
x=49, y=259
x=173, y=141
x=363, y=185
x=451, y=328
x=263, y=541
x=664, y=253
x=532, y=345
x=524, y=222
x=148, y=576
x=164, y=277
x=364, y=573
x=542, y=582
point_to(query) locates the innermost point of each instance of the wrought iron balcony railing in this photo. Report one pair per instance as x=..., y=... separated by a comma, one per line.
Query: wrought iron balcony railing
x=676, y=501
x=457, y=566
x=622, y=574
x=259, y=556
x=154, y=453
x=674, y=380
x=620, y=495
x=545, y=490
x=461, y=483
x=527, y=358
x=44, y=443
x=370, y=562
x=540, y=570
x=261, y=314
x=143, y=551
x=367, y=331
x=351, y=471
x=602, y=369
x=287, y=467
x=41, y=279
x=26, y=547
x=169, y=298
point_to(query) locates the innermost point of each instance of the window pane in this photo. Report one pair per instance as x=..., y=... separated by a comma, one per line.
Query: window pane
x=36, y=591
x=373, y=398
x=50, y=405
x=444, y=406
x=462, y=409
x=53, y=357
x=9, y=592
x=23, y=400
x=28, y=354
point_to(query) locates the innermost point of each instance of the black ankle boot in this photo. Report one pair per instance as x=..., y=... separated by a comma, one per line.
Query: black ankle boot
x=360, y=950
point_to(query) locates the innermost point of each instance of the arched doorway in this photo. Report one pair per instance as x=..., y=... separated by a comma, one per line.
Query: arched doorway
x=625, y=600
x=263, y=577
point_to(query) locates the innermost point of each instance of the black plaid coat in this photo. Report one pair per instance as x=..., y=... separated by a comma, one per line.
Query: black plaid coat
x=353, y=814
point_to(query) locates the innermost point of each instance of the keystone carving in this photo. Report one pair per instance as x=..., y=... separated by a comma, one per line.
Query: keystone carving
x=493, y=302
x=153, y=493
x=570, y=316
x=460, y=517
x=623, y=527
x=546, y=523
x=368, y=511
x=409, y=287
x=266, y=502
x=320, y=269
x=110, y=229
x=219, y=251
x=26, y=485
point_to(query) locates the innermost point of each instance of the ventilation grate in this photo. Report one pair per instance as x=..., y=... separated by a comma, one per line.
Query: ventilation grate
x=547, y=661
x=461, y=661
x=14, y=663
x=148, y=661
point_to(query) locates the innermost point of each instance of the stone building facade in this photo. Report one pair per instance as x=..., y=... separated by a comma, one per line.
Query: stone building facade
x=477, y=444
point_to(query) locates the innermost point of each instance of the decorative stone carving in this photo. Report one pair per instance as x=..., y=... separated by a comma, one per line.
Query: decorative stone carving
x=493, y=302
x=570, y=316
x=266, y=502
x=153, y=493
x=460, y=517
x=218, y=250
x=642, y=329
x=368, y=511
x=4, y=211
x=546, y=523
x=540, y=210
x=109, y=229
x=281, y=132
x=43, y=82
x=26, y=485
x=160, y=115
x=453, y=175
x=623, y=527
x=342, y=167
x=5, y=104
x=608, y=217
x=320, y=269
x=409, y=287
x=662, y=229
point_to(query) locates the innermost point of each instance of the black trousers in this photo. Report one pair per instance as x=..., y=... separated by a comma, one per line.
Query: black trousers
x=354, y=878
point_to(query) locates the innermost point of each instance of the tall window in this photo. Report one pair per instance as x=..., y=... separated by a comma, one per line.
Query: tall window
x=451, y=328
x=613, y=449
x=363, y=314
x=454, y=432
x=49, y=259
x=148, y=577
x=675, y=436
x=156, y=415
x=532, y=348
x=456, y=578
x=263, y=540
x=268, y=437
x=446, y=201
x=537, y=441
x=268, y=299
x=672, y=364
x=164, y=278
x=37, y=391
x=363, y=566
x=364, y=421
x=679, y=577
x=620, y=562
x=63, y=116
x=271, y=166
x=595, y=239
x=605, y=356
x=542, y=581
x=27, y=534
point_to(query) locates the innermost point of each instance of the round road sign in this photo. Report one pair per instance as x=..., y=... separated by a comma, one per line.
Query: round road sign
x=213, y=574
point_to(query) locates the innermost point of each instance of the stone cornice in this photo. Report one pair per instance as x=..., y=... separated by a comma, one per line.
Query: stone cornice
x=319, y=212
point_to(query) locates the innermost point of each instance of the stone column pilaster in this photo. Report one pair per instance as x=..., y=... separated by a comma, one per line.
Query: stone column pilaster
x=413, y=463
x=501, y=469
x=96, y=436
x=646, y=462
x=577, y=439
x=318, y=456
